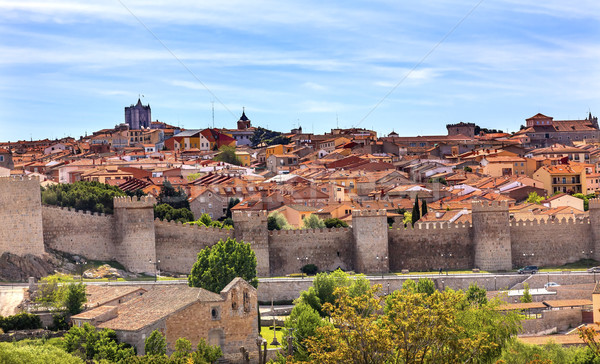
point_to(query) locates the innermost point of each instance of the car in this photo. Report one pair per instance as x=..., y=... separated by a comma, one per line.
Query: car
x=551, y=285
x=594, y=270
x=531, y=269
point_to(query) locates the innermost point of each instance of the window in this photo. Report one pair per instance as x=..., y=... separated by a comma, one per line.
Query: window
x=214, y=313
x=522, y=164
x=564, y=180
x=1, y=158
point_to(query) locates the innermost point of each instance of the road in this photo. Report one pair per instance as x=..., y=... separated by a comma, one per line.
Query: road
x=10, y=298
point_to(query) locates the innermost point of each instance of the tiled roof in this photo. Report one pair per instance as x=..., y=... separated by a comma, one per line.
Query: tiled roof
x=99, y=295
x=156, y=304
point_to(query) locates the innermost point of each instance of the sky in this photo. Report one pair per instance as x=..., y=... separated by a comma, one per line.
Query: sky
x=69, y=67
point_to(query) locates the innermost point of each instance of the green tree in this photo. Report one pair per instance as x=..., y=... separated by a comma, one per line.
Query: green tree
x=175, y=197
x=155, y=344
x=183, y=349
x=230, y=205
x=167, y=212
x=468, y=169
x=276, y=221
x=82, y=195
x=526, y=298
x=423, y=207
x=219, y=264
x=416, y=214
x=20, y=353
x=407, y=218
x=267, y=137
x=312, y=222
x=301, y=324
x=335, y=223
x=90, y=344
x=74, y=297
x=227, y=155
x=476, y=295
x=533, y=197
x=207, y=353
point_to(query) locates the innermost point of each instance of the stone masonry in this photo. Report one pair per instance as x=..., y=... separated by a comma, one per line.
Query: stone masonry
x=131, y=236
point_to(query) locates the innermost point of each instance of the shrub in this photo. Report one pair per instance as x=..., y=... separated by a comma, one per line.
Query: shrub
x=21, y=321
x=310, y=269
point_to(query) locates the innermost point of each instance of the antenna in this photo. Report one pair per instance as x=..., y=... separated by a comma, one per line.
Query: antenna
x=213, y=113
x=337, y=121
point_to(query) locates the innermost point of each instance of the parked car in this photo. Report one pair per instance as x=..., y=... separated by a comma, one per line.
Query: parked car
x=551, y=285
x=594, y=270
x=531, y=269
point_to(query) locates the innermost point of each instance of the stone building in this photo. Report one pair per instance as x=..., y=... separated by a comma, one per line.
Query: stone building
x=228, y=319
x=138, y=116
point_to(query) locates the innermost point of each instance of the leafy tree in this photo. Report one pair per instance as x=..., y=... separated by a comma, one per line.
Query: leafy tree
x=155, y=344
x=526, y=298
x=167, y=212
x=74, y=298
x=518, y=352
x=312, y=222
x=20, y=321
x=268, y=137
x=276, y=221
x=176, y=198
x=416, y=214
x=324, y=285
x=476, y=295
x=18, y=352
x=207, y=353
x=82, y=195
x=221, y=263
x=423, y=207
x=468, y=169
x=183, y=348
x=227, y=155
x=335, y=223
x=423, y=285
x=407, y=218
x=90, y=344
x=301, y=324
x=206, y=220
x=533, y=197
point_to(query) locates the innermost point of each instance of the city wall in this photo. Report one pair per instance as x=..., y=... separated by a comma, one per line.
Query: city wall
x=132, y=237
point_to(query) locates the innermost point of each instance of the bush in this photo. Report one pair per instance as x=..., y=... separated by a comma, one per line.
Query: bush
x=310, y=269
x=21, y=321
x=59, y=322
x=335, y=223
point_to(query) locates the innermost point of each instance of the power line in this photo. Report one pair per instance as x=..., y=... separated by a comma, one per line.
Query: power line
x=420, y=62
x=174, y=56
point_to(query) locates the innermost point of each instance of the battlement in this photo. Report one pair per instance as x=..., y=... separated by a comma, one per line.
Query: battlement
x=368, y=213
x=434, y=226
x=544, y=222
x=308, y=231
x=594, y=203
x=75, y=211
x=249, y=216
x=19, y=179
x=491, y=206
x=160, y=222
x=134, y=202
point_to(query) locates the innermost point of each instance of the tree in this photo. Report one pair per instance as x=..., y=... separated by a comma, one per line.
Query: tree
x=176, y=198
x=276, y=221
x=82, y=195
x=74, y=298
x=230, y=205
x=423, y=207
x=468, y=169
x=526, y=298
x=533, y=197
x=90, y=344
x=227, y=155
x=476, y=295
x=334, y=223
x=416, y=214
x=301, y=324
x=312, y=222
x=167, y=212
x=267, y=137
x=407, y=218
x=221, y=263
x=155, y=344
x=207, y=353
x=183, y=349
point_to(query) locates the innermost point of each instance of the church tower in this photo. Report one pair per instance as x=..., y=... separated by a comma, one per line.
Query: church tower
x=244, y=122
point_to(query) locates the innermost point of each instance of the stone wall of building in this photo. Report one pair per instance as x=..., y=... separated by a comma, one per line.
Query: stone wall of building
x=328, y=249
x=83, y=233
x=491, y=235
x=177, y=245
x=431, y=246
x=551, y=243
x=20, y=216
x=370, y=241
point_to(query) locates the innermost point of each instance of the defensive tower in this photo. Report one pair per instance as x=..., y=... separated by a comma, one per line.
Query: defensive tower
x=371, y=241
x=135, y=241
x=491, y=235
x=251, y=227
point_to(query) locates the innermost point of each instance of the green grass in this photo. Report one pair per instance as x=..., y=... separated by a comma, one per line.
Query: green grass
x=267, y=333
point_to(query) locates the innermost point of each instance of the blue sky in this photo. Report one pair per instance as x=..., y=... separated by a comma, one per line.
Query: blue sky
x=68, y=67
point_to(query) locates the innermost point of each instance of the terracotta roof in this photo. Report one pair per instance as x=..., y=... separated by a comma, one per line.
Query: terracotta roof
x=99, y=295
x=156, y=304
x=521, y=306
x=567, y=303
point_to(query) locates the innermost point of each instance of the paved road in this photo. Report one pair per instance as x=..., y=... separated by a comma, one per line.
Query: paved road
x=10, y=298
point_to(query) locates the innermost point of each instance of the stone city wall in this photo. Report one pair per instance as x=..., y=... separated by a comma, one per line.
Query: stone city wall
x=431, y=246
x=560, y=319
x=328, y=249
x=178, y=245
x=79, y=232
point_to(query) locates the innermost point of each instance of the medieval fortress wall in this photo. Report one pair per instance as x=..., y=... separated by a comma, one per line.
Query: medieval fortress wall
x=132, y=237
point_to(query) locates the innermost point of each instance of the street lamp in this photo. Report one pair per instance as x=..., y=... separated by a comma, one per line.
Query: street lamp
x=80, y=265
x=156, y=269
x=302, y=260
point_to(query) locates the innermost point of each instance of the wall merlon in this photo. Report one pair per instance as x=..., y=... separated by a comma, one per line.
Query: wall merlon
x=368, y=213
x=134, y=202
x=594, y=203
x=309, y=231
x=477, y=206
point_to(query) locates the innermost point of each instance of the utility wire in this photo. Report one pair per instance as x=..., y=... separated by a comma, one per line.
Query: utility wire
x=175, y=56
x=420, y=62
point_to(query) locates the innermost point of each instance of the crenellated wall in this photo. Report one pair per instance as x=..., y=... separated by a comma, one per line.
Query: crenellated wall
x=431, y=246
x=550, y=242
x=79, y=232
x=328, y=249
x=177, y=245
x=132, y=237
